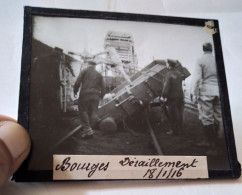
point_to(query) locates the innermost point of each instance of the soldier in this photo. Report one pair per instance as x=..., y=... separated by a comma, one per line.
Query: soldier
x=92, y=91
x=205, y=92
x=173, y=94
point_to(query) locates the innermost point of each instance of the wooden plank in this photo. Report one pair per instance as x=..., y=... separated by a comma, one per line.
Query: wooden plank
x=155, y=142
x=66, y=136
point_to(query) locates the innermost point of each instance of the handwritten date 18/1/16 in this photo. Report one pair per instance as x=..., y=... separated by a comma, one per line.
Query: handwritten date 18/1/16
x=163, y=173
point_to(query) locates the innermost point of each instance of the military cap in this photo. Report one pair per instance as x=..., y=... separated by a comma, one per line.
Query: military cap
x=91, y=62
x=207, y=47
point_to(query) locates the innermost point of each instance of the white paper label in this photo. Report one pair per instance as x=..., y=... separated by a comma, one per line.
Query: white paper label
x=100, y=167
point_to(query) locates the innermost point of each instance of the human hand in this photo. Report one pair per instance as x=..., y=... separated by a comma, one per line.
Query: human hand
x=74, y=92
x=14, y=147
x=163, y=99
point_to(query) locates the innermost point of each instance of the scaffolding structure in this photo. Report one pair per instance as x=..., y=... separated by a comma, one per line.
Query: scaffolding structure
x=124, y=45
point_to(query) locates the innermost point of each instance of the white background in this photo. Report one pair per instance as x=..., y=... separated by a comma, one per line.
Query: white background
x=229, y=14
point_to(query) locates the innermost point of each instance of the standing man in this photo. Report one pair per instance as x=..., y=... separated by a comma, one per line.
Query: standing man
x=92, y=91
x=205, y=92
x=173, y=94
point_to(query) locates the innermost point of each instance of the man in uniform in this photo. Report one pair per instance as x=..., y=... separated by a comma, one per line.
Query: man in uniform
x=92, y=91
x=205, y=92
x=173, y=94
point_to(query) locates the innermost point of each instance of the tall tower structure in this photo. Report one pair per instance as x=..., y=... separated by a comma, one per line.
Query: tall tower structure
x=124, y=45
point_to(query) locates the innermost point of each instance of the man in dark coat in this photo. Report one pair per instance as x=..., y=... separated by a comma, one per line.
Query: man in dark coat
x=173, y=94
x=92, y=91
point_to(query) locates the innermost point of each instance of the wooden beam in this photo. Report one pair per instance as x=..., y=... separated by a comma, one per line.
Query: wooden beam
x=66, y=137
x=155, y=142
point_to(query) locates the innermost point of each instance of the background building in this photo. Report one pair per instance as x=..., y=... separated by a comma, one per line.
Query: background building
x=52, y=77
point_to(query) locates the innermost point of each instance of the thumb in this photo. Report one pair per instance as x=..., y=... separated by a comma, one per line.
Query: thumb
x=14, y=147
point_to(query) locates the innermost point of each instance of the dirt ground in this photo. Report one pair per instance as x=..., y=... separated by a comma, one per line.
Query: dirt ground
x=186, y=144
x=135, y=140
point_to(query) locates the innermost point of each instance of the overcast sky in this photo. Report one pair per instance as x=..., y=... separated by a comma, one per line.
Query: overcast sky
x=151, y=40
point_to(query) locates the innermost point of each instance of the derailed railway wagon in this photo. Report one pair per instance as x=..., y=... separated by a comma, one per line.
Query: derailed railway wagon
x=128, y=100
x=147, y=85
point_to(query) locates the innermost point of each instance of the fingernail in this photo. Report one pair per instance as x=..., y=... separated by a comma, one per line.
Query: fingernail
x=15, y=137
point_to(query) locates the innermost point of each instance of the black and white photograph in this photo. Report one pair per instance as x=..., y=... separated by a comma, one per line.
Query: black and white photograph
x=123, y=87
